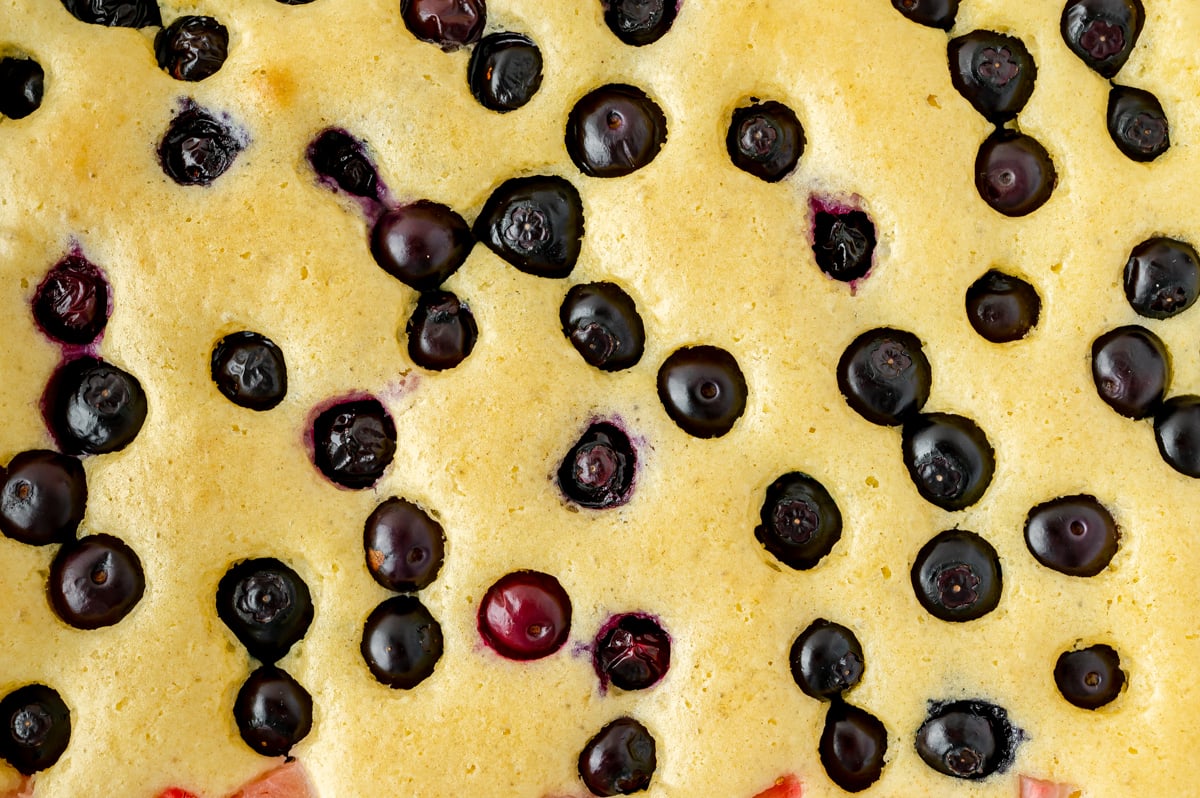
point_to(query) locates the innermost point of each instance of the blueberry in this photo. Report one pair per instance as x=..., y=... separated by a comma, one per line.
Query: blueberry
x=632, y=651
x=273, y=711
x=116, y=13
x=885, y=376
x=525, y=615
x=95, y=581
x=534, y=223
x=1162, y=277
x=35, y=727
x=71, y=302
x=94, y=407
x=956, y=576
x=994, y=72
x=22, y=84
x=354, y=443
x=401, y=642
x=197, y=148
x=1131, y=369
x=421, y=244
x=1002, y=308
x=405, y=548
x=1072, y=534
x=852, y=748
x=505, y=71
x=1137, y=123
x=341, y=159
x=703, y=390
x=800, y=521
x=1102, y=32
x=450, y=24
x=1014, y=173
x=766, y=140
x=266, y=605
x=949, y=459
x=441, y=331
x=42, y=498
x=844, y=244
x=1089, y=677
x=967, y=739
x=602, y=322
x=614, y=131
x=192, y=48
x=826, y=660
x=1177, y=430
x=934, y=13
x=619, y=760
x=249, y=371
x=598, y=470
x=640, y=22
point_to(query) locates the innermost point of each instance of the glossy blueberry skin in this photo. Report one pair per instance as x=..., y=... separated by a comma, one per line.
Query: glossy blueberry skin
x=1132, y=370
x=703, y=390
x=421, y=244
x=949, y=459
x=615, y=130
x=1177, y=430
x=1014, y=174
x=994, y=72
x=43, y=496
x=619, y=760
x=1137, y=123
x=404, y=546
x=22, y=86
x=765, y=139
x=249, y=370
x=197, y=148
x=441, y=331
x=844, y=244
x=35, y=728
x=1162, y=277
x=450, y=24
x=525, y=615
x=640, y=22
x=632, y=652
x=967, y=739
x=956, y=576
x=800, y=521
x=1089, y=677
x=192, y=48
x=852, y=747
x=826, y=660
x=1002, y=308
x=932, y=13
x=884, y=376
x=1102, y=32
x=598, y=470
x=1075, y=535
x=94, y=407
x=71, y=303
x=341, y=159
x=354, y=443
x=505, y=71
x=266, y=605
x=534, y=223
x=401, y=643
x=116, y=13
x=273, y=711
x=602, y=322
x=95, y=581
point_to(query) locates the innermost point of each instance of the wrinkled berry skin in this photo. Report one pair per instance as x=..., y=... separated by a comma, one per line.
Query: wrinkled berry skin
x=1075, y=535
x=1162, y=277
x=505, y=71
x=602, y=322
x=35, y=728
x=994, y=72
x=1089, y=677
x=22, y=86
x=1132, y=370
x=800, y=521
x=401, y=643
x=852, y=747
x=1137, y=124
x=1014, y=173
x=1002, y=308
x=450, y=24
x=640, y=22
x=192, y=48
x=354, y=443
x=116, y=13
x=441, y=331
x=341, y=159
x=95, y=582
x=197, y=148
x=703, y=390
x=598, y=470
x=956, y=576
x=534, y=223
x=94, y=407
x=949, y=459
x=1102, y=32
x=71, y=303
x=826, y=660
x=421, y=244
x=884, y=376
x=967, y=739
x=619, y=760
x=931, y=13
x=266, y=605
x=765, y=139
x=615, y=130
x=405, y=547
x=43, y=496
x=632, y=652
x=273, y=711
x=248, y=369
x=1177, y=430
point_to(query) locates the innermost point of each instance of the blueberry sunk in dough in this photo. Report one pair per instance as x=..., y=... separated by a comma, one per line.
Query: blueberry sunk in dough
x=826, y=660
x=640, y=22
x=994, y=72
x=1089, y=677
x=1137, y=123
x=949, y=459
x=273, y=711
x=421, y=244
x=884, y=376
x=405, y=547
x=844, y=243
x=1162, y=277
x=534, y=223
x=703, y=390
x=1102, y=32
x=354, y=443
x=192, y=48
x=852, y=747
x=615, y=130
x=765, y=139
x=632, y=652
x=95, y=581
x=967, y=739
x=1003, y=308
x=198, y=148
x=800, y=522
x=1132, y=370
x=248, y=369
x=619, y=760
x=1014, y=173
x=956, y=576
x=505, y=71
x=933, y=13
x=71, y=302
x=401, y=642
x=42, y=497
x=116, y=13
x=450, y=24
x=598, y=470
x=266, y=605
x=22, y=86
x=1075, y=535
x=35, y=728
x=603, y=324
x=94, y=407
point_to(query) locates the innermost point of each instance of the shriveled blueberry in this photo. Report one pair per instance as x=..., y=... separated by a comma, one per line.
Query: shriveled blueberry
x=1137, y=123
x=71, y=302
x=852, y=748
x=1102, y=32
x=401, y=642
x=197, y=148
x=249, y=370
x=967, y=739
x=957, y=577
x=615, y=130
x=885, y=376
x=525, y=615
x=273, y=711
x=450, y=24
x=94, y=407
x=619, y=760
x=826, y=660
x=1131, y=369
x=632, y=652
x=405, y=547
x=603, y=324
x=1014, y=173
x=1002, y=308
x=1162, y=277
x=22, y=84
x=192, y=48
x=933, y=13
x=1072, y=534
x=116, y=13
x=441, y=331
x=42, y=497
x=1089, y=677
x=1177, y=430
x=35, y=728
x=95, y=581
x=598, y=470
x=266, y=605
x=800, y=521
x=949, y=459
x=342, y=159
x=421, y=244
x=994, y=72
x=640, y=22
x=844, y=243
x=505, y=71
x=703, y=390
x=354, y=442
x=534, y=223
x=766, y=140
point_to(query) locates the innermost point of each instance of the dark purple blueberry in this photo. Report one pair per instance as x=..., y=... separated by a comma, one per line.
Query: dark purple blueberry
x=632, y=652
x=94, y=407
x=273, y=711
x=1131, y=369
x=266, y=605
x=22, y=84
x=853, y=745
x=116, y=13
x=441, y=331
x=934, y=13
x=525, y=615
x=598, y=470
x=1089, y=677
x=703, y=390
x=885, y=376
x=450, y=24
x=1072, y=534
x=826, y=660
x=1162, y=277
x=421, y=244
x=967, y=739
x=619, y=760
x=766, y=140
x=615, y=130
x=956, y=576
x=71, y=303
x=844, y=244
x=1014, y=173
x=1102, y=32
x=602, y=321
x=95, y=581
x=401, y=642
x=994, y=72
x=192, y=48
x=1002, y=308
x=1177, y=430
x=800, y=521
x=36, y=727
x=505, y=71
x=1137, y=123
x=405, y=548
x=197, y=148
x=640, y=22
x=249, y=371
x=354, y=443
x=534, y=223
x=42, y=497
x=949, y=459
x=338, y=157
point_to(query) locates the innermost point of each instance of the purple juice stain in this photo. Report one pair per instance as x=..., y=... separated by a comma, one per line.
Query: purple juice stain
x=631, y=651
x=342, y=164
x=843, y=239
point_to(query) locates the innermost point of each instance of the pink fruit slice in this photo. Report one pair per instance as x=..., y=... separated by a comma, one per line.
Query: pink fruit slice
x=786, y=786
x=1037, y=788
x=176, y=792
x=285, y=781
